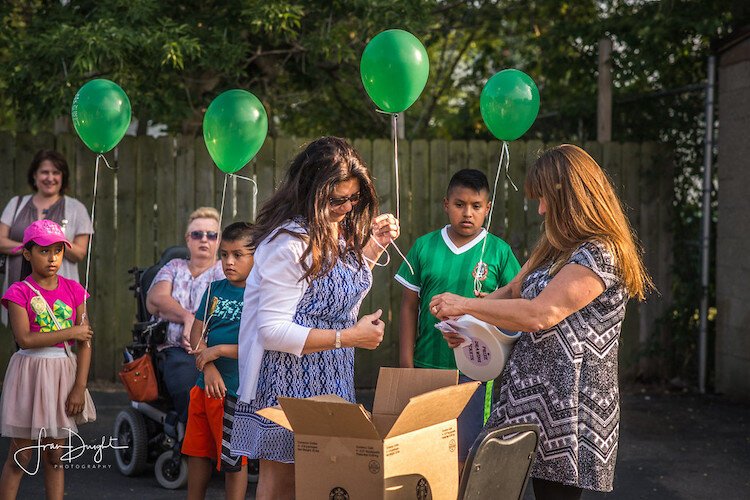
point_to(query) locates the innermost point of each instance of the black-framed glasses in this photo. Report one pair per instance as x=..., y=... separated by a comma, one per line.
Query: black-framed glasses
x=337, y=202
x=198, y=235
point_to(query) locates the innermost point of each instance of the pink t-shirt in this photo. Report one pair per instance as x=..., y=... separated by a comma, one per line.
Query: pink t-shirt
x=63, y=300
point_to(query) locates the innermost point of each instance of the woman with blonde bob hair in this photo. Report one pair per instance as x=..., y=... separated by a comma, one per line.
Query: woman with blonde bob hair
x=175, y=293
x=569, y=299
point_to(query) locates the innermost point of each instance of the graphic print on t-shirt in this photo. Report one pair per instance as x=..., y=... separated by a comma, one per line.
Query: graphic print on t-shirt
x=222, y=327
x=230, y=310
x=63, y=313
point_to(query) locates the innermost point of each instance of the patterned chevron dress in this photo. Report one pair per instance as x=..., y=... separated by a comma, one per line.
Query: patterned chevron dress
x=564, y=379
x=330, y=302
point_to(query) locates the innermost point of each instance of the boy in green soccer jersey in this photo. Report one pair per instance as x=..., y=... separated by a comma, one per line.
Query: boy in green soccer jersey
x=448, y=260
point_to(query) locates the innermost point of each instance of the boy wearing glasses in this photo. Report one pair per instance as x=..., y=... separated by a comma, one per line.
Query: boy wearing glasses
x=448, y=260
x=214, y=337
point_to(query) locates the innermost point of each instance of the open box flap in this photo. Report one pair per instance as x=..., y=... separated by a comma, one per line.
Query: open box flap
x=326, y=415
x=433, y=408
x=276, y=414
x=396, y=386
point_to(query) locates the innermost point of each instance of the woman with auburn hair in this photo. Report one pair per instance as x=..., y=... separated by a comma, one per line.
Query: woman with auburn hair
x=570, y=298
x=316, y=240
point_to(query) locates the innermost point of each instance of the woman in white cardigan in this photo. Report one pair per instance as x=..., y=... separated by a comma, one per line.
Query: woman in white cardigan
x=316, y=240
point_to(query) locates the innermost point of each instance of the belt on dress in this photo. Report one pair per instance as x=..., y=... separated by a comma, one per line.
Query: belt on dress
x=43, y=352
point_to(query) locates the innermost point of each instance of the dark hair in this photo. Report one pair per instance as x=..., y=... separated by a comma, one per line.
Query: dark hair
x=237, y=231
x=25, y=264
x=469, y=178
x=304, y=193
x=57, y=160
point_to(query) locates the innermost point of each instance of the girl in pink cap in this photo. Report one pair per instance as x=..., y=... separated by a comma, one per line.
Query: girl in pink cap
x=43, y=390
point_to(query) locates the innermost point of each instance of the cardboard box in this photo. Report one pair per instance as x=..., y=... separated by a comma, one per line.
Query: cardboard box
x=407, y=448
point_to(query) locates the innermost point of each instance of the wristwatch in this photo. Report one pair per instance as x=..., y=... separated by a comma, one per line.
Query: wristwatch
x=338, y=339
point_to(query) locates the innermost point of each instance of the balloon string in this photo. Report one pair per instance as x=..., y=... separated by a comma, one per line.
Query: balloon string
x=375, y=262
x=206, y=317
x=91, y=238
x=255, y=189
x=394, y=131
x=479, y=271
x=402, y=256
x=507, y=165
x=388, y=255
x=114, y=169
x=255, y=184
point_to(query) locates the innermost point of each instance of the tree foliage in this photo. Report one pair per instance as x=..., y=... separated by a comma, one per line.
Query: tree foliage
x=302, y=59
x=173, y=57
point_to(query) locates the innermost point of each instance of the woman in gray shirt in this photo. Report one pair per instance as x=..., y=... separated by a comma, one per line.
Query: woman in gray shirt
x=48, y=178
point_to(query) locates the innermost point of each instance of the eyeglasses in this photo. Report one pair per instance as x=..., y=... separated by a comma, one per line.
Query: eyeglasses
x=198, y=235
x=337, y=202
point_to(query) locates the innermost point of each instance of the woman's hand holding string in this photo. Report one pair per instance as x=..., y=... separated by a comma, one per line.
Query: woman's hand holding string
x=385, y=229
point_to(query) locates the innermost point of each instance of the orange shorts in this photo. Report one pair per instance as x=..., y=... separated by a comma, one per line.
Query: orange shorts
x=205, y=430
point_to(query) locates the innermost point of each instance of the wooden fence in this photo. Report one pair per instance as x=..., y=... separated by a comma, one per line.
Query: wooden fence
x=142, y=207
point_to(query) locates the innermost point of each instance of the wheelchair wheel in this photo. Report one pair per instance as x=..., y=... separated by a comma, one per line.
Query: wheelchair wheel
x=130, y=430
x=171, y=472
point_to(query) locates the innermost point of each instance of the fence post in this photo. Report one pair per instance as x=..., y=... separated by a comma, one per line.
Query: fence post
x=126, y=248
x=169, y=229
x=438, y=182
x=103, y=280
x=533, y=219
x=630, y=337
x=650, y=228
x=146, y=251
x=205, y=177
x=184, y=180
x=516, y=231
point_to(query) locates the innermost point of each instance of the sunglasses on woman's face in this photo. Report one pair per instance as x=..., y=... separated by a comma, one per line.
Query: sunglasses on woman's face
x=337, y=202
x=198, y=235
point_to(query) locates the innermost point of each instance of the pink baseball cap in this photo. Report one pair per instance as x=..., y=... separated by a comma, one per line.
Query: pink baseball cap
x=44, y=233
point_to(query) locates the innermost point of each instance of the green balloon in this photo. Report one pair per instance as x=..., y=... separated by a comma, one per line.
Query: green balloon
x=101, y=114
x=509, y=104
x=234, y=128
x=394, y=70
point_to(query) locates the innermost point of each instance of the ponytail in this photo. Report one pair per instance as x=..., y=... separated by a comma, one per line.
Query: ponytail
x=25, y=264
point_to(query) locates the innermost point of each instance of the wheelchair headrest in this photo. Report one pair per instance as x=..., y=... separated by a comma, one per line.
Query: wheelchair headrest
x=174, y=252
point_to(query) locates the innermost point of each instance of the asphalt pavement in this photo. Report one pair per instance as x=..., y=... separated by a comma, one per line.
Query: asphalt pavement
x=672, y=446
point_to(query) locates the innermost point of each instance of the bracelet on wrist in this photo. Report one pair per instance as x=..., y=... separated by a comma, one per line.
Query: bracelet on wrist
x=337, y=343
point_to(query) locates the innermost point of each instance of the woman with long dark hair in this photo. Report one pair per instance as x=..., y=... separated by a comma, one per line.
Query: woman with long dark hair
x=315, y=242
x=570, y=299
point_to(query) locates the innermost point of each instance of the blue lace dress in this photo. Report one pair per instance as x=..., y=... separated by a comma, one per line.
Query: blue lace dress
x=330, y=302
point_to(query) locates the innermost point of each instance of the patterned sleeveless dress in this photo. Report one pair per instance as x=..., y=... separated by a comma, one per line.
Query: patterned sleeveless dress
x=564, y=380
x=330, y=302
